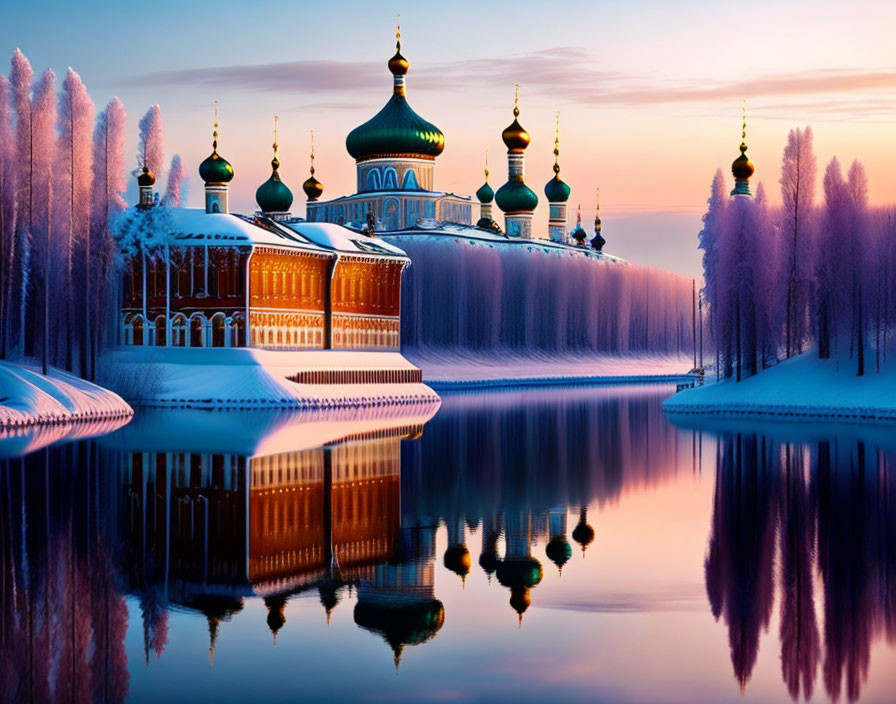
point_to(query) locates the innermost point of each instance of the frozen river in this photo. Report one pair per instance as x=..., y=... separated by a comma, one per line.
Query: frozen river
x=534, y=545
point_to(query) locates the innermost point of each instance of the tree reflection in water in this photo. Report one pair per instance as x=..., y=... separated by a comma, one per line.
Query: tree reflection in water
x=827, y=508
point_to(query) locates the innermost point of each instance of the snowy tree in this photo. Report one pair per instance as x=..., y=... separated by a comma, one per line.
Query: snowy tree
x=7, y=209
x=857, y=236
x=830, y=261
x=151, y=146
x=175, y=180
x=714, y=278
x=43, y=136
x=20, y=79
x=798, y=194
x=74, y=180
x=106, y=202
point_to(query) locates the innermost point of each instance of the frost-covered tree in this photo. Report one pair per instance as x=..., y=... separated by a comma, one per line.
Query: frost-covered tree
x=106, y=202
x=713, y=276
x=175, y=181
x=830, y=261
x=151, y=146
x=43, y=137
x=7, y=209
x=74, y=180
x=798, y=173
x=857, y=236
x=20, y=78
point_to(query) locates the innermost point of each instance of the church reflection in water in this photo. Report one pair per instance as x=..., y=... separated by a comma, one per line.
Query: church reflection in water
x=255, y=506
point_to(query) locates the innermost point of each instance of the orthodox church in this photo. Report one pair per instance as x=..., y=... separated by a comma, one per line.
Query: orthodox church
x=395, y=153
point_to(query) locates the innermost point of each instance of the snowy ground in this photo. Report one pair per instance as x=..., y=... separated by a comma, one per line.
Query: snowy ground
x=802, y=387
x=28, y=398
x=451, y=369
x=252, y=378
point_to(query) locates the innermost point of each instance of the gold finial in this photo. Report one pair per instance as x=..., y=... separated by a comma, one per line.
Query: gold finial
x=215, y=131
x=276, y=118
x=312, y=152
x=516, y=99
x=743, y=133
x=557, y=145
x=579, y=214
x=486, y=164
x=597, y=202
x=398, y=34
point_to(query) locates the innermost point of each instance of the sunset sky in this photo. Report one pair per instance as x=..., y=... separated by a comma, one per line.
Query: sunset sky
x=649, y=93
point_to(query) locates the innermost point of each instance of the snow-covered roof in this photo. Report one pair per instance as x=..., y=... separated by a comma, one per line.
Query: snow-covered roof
x=341, y=239
x=194, y=225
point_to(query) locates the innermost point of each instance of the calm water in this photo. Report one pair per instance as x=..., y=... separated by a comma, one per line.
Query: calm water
x=569, y=544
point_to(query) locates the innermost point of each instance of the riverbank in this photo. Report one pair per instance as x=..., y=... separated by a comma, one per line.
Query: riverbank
x=804, y=387
x=239, y=377
x=28, y=398
x=448, y=370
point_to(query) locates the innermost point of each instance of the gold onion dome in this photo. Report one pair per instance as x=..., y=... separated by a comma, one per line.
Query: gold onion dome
x=396, y=131
x=515, y=137
x=146, y=177
x=742, y=167
x=313, y=188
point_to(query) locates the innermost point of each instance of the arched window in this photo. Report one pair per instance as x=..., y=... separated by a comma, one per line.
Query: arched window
x=409, y=182
x=218, y=334
x=373, y=180
x=390, y=178
x=216, y=208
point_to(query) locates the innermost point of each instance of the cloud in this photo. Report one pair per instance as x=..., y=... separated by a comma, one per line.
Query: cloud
x=567, y=73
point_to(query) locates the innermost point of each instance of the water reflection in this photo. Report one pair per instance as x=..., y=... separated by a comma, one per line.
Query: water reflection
x=828, y=510
x=403, y=523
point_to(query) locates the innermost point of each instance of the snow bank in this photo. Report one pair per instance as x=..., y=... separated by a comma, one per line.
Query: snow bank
x=802, y=387
x=27, y=398
x=253, y=378
x=443, y=369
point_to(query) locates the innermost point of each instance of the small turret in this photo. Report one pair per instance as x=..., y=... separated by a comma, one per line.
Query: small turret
x=742, y=168
x=597, y=242
x=557, y=192
x=515, y=198
x=273, y=196
x=313, y=188
x=145, y=181
x=579, y=234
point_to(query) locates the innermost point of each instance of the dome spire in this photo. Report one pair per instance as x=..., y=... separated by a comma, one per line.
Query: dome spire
x=312, y=187
x=273, y=196
x=557, y=192
x=485, y=195
x=579, y=234
x=597, y=242
x=742, y=168
x=515, y=198
x=217, y=172
x=398, y=65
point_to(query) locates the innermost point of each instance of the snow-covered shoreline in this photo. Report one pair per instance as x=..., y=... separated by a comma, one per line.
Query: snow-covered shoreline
x=804, y=388
x=29, y=398
x=450, y=370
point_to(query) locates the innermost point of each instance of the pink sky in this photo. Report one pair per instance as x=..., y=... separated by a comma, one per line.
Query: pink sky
x=649, y=93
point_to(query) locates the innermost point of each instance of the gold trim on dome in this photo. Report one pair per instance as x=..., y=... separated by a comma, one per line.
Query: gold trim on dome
x=371, y=157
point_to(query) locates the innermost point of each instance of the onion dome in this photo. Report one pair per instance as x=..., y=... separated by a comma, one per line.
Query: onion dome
x=742, y=168
x=329, y=597
x=146, y=178
x=485, y=194
x=556, y=190
x=597, y=242
x=313, y=188
x=215, y=169
x=579, y=234
x=457, y=559
x=488, y=556
x=401, y=620
x=516, y=196
x=396, y=131
x=515, y=137
x=273, y=196
x=583, y=534
x=520, y=574
x=558, y=551
x=276, y=605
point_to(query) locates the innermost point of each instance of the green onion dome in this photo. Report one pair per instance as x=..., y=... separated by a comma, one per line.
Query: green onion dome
x=395, y=131
x=520, y=572
x=273, y=196
x=556, y=190
x=401, y=621
x=485, y=194
x=215, y=169
x=558, y=550
x=515, y=197
x=146, y=177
